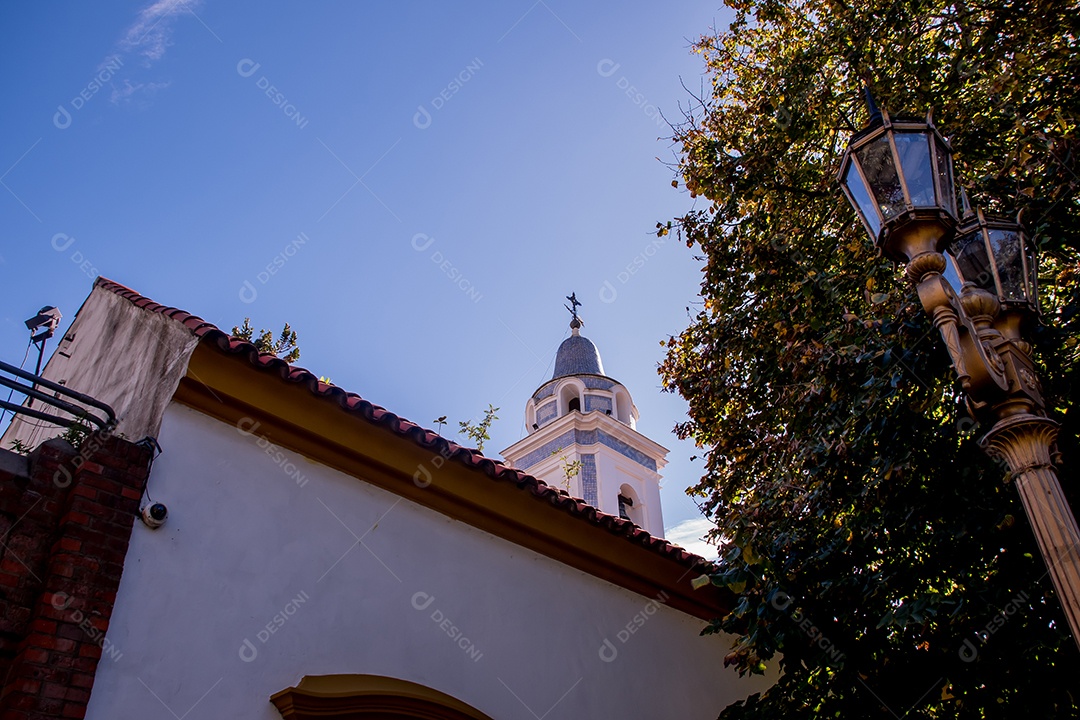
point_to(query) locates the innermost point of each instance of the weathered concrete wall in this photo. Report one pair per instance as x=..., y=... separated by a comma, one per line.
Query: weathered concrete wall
x=129, y=358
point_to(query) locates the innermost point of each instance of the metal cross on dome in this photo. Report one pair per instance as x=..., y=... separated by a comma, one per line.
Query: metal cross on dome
x=572, y=297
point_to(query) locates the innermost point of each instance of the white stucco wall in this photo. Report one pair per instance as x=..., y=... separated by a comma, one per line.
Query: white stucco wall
x=249, y=537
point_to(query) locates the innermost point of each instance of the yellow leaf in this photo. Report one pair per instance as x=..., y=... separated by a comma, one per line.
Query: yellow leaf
x=749, y=556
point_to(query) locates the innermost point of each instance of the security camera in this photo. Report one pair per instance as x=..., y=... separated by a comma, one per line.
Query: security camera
x=154, y=515
x=47, y=320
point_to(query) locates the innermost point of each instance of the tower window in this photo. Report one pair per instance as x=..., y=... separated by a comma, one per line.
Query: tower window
x=575, y=404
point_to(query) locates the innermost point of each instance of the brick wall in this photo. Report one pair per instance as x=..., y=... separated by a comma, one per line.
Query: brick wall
x=66, y=518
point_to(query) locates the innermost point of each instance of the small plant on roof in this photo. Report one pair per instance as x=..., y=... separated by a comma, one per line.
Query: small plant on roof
x=478, y=432
x=77, y=433
x=284, y=346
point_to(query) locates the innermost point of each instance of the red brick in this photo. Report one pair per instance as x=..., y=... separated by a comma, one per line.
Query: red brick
x=70, y=631
x=22, y=702
x=25, y=685
x=89, y=650
x=36, y=655
x=75, y=710
x=131, y=493
x=80, y=679
x=84, y=664
x=105, y=485
x=41, y=625
x=88, y=466
x=12, y=565
x=85, y=491
x=48, y=611
x=77, y=695
x=75, y=518
x=48, y=707
x=52, y=690
x=63, y=662
x=69, y=543
x=58, y=644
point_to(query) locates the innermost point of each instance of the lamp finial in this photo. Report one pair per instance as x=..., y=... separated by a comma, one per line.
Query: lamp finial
x=965, y=204
x=871, y=105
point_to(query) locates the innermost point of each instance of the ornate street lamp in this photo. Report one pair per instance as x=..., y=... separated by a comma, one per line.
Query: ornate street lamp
x=897, y=174
x=996, y=255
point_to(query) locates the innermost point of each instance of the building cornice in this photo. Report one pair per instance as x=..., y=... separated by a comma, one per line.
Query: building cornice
x=225, y=387
x=588, y=421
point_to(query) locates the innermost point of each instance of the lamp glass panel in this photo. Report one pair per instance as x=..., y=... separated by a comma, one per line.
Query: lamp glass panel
x=914, y=152
x=1033, y=274
x=865, y=204
x=945, y=177
x=972, y=262
x=1005, y=244
x=878, y=167
x=951, y=276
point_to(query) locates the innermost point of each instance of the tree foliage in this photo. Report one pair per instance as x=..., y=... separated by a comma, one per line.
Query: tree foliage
x=283, y=346
x=877, y=555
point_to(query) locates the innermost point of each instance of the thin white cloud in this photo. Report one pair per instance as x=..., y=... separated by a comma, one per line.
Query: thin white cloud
x=123, y=94
x=151, y=32
x=690, y=534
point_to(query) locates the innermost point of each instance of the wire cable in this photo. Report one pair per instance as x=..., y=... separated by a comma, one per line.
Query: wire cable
x=12, y=391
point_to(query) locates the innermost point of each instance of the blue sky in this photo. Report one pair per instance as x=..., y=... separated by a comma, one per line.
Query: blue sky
x=413, y=186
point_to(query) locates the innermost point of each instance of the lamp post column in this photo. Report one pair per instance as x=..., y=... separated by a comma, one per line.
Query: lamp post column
x=1024, y=441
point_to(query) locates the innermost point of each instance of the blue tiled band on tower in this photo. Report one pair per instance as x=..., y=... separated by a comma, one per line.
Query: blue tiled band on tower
x=546, y=412
x=588, y=480
x=597, y=402
x=584, y=437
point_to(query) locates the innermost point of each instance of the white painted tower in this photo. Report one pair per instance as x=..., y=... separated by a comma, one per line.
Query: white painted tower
x=582, y=415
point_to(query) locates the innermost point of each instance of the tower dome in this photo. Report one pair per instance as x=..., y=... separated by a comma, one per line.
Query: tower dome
x=581, y=435
x=577, y=356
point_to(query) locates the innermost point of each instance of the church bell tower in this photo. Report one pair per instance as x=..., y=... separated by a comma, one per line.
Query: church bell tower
x=582, y=437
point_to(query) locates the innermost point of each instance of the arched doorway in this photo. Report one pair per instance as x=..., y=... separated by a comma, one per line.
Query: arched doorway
x=352, y=697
